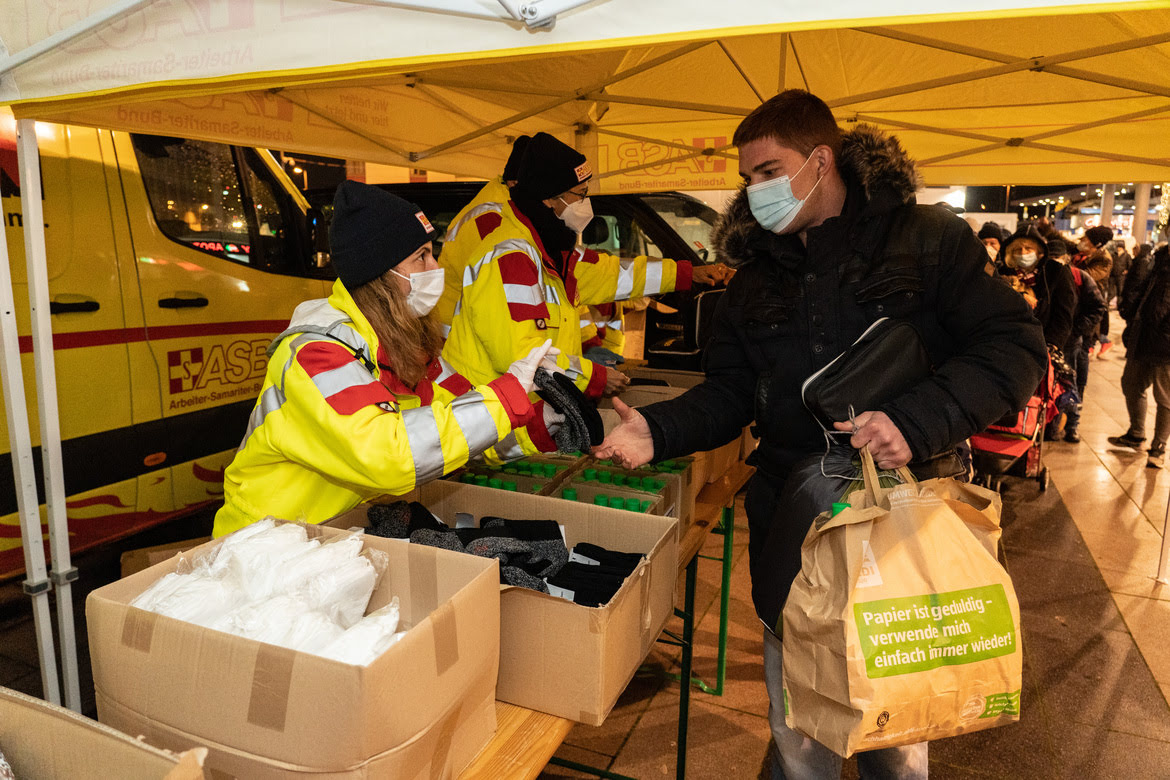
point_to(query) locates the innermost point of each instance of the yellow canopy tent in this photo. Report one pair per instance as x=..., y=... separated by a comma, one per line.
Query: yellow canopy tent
x=987, y=93
x=995, y=91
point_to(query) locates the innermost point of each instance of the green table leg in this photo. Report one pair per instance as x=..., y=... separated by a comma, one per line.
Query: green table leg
x=684, y=691
x=727, y=528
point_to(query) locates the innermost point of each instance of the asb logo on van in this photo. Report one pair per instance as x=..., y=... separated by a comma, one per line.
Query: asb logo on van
x=224, y=371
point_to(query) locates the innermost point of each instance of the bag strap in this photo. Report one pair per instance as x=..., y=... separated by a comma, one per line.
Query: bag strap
x=873, y=486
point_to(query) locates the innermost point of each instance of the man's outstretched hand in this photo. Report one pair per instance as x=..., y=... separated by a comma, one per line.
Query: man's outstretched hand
x=886, y=443
x=629, y=444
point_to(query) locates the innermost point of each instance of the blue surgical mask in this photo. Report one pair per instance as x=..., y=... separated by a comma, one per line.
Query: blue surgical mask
x=773, y=204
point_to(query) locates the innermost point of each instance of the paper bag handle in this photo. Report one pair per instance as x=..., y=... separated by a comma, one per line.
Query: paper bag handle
x=873, y=486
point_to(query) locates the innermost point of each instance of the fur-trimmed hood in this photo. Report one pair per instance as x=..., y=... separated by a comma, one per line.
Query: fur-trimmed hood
x=869, y=158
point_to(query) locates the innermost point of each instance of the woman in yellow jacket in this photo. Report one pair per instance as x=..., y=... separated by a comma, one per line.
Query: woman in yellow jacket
x=357, y=401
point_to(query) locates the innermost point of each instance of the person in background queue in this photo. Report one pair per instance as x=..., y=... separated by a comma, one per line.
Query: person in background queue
x=483, y=210
x=828, y=239
x=357, y=401
x=1094, y=259
x=526, y=276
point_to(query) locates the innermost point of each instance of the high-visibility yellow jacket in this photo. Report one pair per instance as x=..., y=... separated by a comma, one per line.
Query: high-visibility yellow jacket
x=334, y=425
x=603, y=325
x=514, y=297
x=466, y=230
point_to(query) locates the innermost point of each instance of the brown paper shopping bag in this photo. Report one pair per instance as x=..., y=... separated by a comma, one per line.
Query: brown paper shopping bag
x=902, y=626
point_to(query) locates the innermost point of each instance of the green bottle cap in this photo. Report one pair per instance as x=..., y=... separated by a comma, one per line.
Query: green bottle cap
x=619, y=479
x=645, y=506
x=633, y=504
x=616, y=502
x=637, y=483
x=467, y=479
x=496, y=482
x=537, y=488
x=510, y=470
x=600, y=500
x=569, y=494
x=481, y=480
x=590, y=475
x=838, y=506
x=524, y=468
x=509, y=485
x=550, y=470
x=604, y=477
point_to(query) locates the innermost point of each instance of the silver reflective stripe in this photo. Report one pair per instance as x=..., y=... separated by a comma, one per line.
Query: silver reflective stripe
x=551, y=294
x=482, y=208
x=625, y=280
x=509, y=448
x=270, y=400
x=304, y=338
x=523, y=293
x=653, y=277
x=447, y=371
x=479, y=429
x=574, y=369
x=426, y=447
x=447, y=328
x=350, y=337
x=343, y=377
x=471, y=273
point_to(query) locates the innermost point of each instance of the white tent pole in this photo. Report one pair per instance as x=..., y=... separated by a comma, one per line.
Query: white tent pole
x=37, y=265
x=36, y=583
x=89, y=23
x=584, y=92
x=1141, y=210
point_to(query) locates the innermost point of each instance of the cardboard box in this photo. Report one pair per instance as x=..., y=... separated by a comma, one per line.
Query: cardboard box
x=721, y=459
x=134, y=561
x=587, y=491
x=683, y=379
x=556, y=656
x=47, y=742
x=423, y=709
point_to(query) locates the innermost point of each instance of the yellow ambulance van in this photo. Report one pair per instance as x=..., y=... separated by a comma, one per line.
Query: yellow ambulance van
x=172, y=263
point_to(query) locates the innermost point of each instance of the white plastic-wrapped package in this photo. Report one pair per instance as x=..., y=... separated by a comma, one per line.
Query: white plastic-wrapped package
x=271, y=583
x=368, y=638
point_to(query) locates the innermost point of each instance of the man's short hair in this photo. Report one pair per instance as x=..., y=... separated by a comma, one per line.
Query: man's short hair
x=796, y=119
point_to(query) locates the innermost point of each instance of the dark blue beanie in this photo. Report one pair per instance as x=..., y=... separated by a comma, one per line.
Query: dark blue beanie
x=373, y=231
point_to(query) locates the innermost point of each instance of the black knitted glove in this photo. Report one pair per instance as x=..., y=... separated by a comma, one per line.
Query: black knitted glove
x=582, y=428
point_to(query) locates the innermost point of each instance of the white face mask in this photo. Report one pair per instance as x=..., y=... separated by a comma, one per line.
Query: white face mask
x=1025, y=261
x=577, y=215
x=426, y=287
x=773, y=204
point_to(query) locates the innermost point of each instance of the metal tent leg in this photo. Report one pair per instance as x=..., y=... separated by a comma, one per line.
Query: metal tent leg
x=36, y=582
x=37, y=265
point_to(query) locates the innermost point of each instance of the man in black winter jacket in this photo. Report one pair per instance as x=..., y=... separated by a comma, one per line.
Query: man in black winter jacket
x=828, y=239
x=1147, y=360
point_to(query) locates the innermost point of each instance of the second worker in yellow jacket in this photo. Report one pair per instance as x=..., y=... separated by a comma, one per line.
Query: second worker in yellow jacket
x=524, y=279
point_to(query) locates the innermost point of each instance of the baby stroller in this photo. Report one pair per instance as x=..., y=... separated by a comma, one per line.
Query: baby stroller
x=1015, y=445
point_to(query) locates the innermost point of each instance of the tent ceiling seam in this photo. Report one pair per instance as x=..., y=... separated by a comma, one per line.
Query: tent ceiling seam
x=747, y=80
x=619, y=76
x=302, y=103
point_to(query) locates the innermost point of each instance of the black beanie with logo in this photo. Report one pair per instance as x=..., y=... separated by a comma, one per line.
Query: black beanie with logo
x=550, y=167
x=373, y=231
x=512, y=167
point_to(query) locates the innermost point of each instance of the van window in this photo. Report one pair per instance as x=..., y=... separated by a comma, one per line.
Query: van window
x=692, y=219
x=217, y=199
x=194, y=192
x=619, y=234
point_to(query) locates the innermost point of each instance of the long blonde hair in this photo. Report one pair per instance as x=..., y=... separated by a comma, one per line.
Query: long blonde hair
x=411, y=342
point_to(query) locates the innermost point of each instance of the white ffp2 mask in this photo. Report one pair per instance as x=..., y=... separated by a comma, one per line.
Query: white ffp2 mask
x=426, y=287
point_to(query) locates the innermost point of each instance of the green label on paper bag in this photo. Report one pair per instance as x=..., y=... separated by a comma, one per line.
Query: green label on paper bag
x=916, y=633
x=1001, y=704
